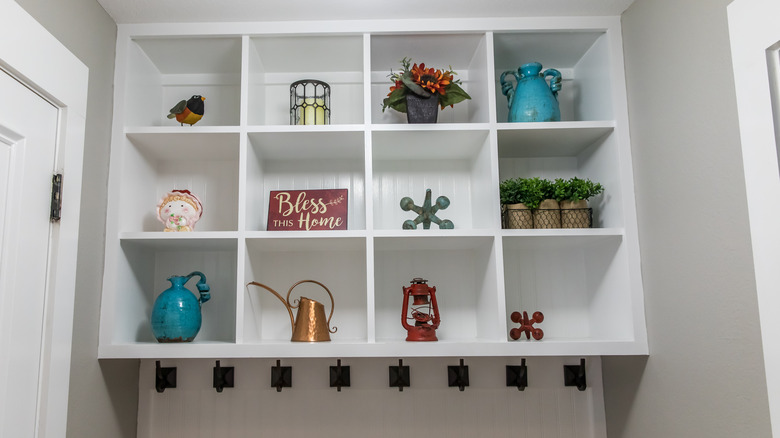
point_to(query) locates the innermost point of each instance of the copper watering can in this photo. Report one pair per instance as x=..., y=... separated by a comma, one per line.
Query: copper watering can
x=310, y=324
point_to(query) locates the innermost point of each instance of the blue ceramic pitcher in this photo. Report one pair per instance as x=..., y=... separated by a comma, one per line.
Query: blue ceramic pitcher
x=532, y=99
x=176, y=313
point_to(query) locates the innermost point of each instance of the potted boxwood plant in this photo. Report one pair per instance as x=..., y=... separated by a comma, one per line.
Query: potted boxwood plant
x=519, y=196
x=573, y=195
x=548, y=214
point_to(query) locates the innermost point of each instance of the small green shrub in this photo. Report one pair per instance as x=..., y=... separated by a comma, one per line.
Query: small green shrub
x=576, y=189
x=528, y=191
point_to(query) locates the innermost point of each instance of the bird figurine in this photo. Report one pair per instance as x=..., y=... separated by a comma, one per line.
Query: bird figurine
x=189, y=111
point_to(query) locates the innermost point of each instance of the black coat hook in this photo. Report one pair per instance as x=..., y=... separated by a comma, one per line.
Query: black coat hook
x=458, y=375
x=339, y=376
x=517, y=375
x=574, y=375
x=223, y=377
x=399, y=376
x=164, y=377
x=281, y=376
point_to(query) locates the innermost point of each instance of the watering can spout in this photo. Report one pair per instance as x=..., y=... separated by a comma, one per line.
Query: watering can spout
x=276, y=294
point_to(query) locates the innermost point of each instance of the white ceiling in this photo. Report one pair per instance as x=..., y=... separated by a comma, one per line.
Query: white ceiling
x=183, y=11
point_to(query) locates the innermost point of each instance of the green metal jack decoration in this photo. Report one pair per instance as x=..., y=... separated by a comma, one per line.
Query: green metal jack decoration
x=427, y=213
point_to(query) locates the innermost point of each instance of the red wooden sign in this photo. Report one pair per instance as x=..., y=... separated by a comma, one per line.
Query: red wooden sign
x=305, y=210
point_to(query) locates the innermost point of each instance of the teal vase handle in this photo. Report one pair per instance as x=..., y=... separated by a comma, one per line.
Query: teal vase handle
x=203, y=287
x=555, y=82
x=507, y=89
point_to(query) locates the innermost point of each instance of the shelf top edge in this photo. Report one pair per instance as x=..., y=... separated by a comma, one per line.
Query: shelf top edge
x=563, y=232
x=376, y=26
x=434, y=233
x=160, y=235
x=134, y=130
x=402, y=127
x=264, y=350
x=324, y=234
x=260, y=129
x=375, y=127
x=578, y=124
x=234, y=235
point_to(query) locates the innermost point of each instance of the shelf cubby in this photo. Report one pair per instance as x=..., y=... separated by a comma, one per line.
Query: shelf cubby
x=585, y=152
x=463, y=270
x=305, y=160
x=582, y=57
x=275, y=62
x=466, y=53
x=144, y=264
x=155, y=163
x=542, y=139
x=452, y=163
x=338, y=263
x=580, y=284
x=161, y=71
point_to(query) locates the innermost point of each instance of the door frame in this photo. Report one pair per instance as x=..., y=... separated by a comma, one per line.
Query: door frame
x=37, y=59
x=754, y=35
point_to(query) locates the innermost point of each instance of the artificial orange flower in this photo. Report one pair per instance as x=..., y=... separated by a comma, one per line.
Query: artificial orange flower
x=431, y=79
x=398, y=85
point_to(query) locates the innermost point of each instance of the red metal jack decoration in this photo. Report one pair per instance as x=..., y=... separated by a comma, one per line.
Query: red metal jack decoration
x=526, y=325
x=424, y=312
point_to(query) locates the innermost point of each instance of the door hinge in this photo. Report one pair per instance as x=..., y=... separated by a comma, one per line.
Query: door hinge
x=56, y=197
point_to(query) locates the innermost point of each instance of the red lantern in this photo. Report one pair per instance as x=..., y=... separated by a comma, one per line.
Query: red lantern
x=424, y=311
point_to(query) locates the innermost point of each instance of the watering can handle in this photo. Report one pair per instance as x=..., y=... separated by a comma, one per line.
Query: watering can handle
x=555, y=82
x=506, y=87
x=332, y=301
x=203, y=287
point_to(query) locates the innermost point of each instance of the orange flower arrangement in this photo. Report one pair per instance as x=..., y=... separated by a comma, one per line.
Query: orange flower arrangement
x=431, y=79
x=424, y=82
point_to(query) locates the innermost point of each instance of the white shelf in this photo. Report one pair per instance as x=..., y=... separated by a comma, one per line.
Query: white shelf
x=391, y=349
x=274, y=62
x=583, y=57
x=586, y=281
x=160, y=239
x=569, y=233
x=559, y=139
x=465, y=52
x=161, y=71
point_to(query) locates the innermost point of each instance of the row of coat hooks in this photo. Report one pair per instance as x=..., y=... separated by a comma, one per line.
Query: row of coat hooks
x=399, y=376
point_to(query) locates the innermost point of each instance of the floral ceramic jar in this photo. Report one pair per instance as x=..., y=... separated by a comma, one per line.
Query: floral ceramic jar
x=179, y=210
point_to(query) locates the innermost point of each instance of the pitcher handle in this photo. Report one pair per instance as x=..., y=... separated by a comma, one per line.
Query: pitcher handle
x=203, y=288
x=506, y=87
x=332, y=301
x=555, y=82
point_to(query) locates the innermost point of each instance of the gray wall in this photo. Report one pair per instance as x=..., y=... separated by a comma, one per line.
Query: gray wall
x=103, y=396
x=704, y=376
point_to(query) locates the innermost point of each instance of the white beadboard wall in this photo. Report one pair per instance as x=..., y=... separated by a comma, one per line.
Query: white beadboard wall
x=369, y=407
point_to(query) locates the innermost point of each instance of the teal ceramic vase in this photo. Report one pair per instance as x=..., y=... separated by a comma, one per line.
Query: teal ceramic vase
x=176, y=313
x=532, y=99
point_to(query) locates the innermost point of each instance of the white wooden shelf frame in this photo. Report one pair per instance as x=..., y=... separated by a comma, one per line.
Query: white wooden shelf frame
x=586, y=281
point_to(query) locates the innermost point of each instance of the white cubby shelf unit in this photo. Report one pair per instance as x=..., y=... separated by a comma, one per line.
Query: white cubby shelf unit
x=586, y=281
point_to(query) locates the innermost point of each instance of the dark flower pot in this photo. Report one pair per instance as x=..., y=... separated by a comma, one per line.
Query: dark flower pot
x=421, y=109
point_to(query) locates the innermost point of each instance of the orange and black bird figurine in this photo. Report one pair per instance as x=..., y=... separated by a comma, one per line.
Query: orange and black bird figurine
x=189, y=111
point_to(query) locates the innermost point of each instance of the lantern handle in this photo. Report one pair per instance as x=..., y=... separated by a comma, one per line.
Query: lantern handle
x=297, y=302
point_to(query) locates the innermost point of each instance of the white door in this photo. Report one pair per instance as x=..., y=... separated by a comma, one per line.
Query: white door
x=28, y=138
x=43, y=64
x=755, y=34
